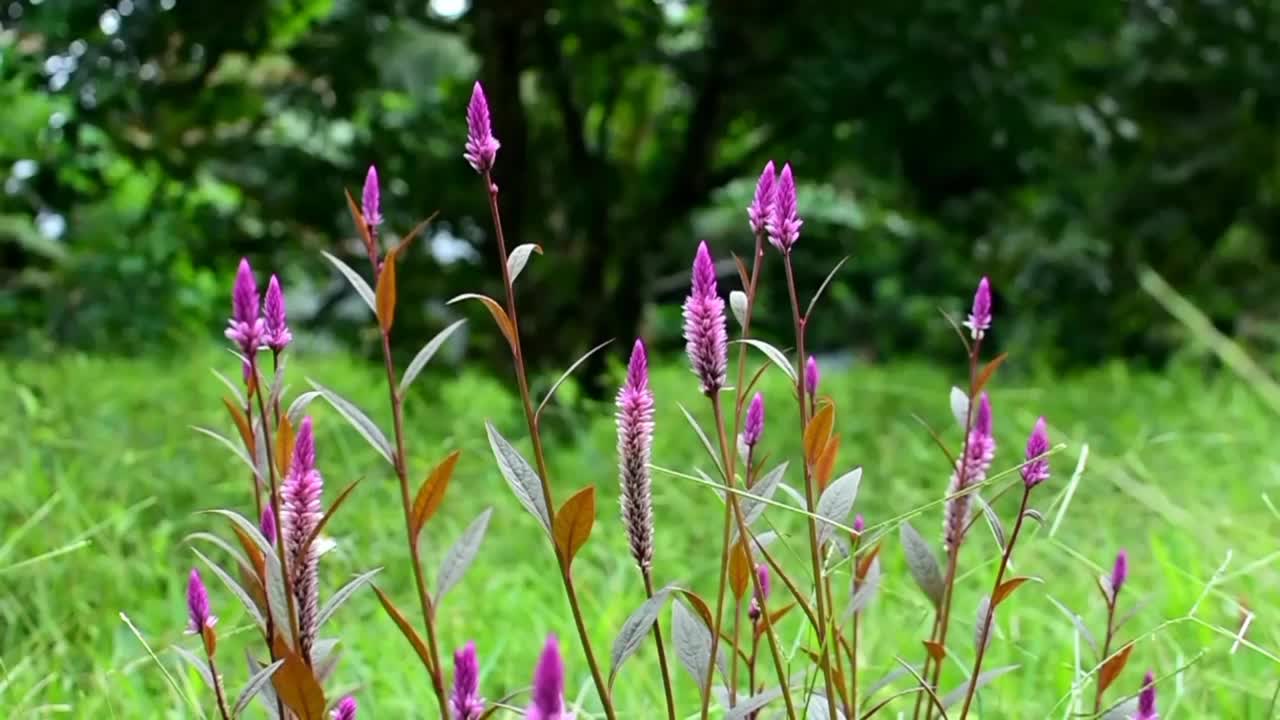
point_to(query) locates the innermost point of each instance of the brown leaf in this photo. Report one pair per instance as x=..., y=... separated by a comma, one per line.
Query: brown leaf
x=936, y=650
x=827, y=463
x=252, y=551
x=406, y=628
x=773, y=618
x=1006, y=588
x=358, y=218
x=431, y=494
x=699, y=606
x=284, y=444
x=739, y=569
x=818, y=432
x=987, y=372
x=210, y=639
x=742, y=272
x=296, y=684
x=499, y=315
x=342, y=497
x=573, y=521
x=864, y=563
x=1112, y=668
x=242, y=424
x=385, y=294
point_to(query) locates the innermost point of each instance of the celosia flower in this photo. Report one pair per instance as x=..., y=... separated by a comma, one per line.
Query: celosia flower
x=346, y=709
x=465, y=700
x=753, y=428
x=858, y=523
x=980, y=317
x=482, y=146
x=811, y=376
x=761, y=208
x=760, y=600
x=198, y=615
x=784, y=227
x=245, y=328
x=277, y=336
x=1036, y=471
x=705, y=334
x=371, y=199
x=1119, y=573
x=970, y=471
x=548, y=686
x=268, y=524
x=635, y=448
x=1147, y=699
x=300, y=513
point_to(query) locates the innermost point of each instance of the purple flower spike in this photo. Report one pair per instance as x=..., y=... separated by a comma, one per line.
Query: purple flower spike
x=245, y=328
x=346, y=709
x=300, y=513
x=482, y=146
x=268, y=524
x=761, y=208
x=784, y=227
x=971, y=470
x=753, y=428
x=1035, y=471
x=548, y=685
x=277, y=336
x=465, y=700
x=859, y=523
x=198, y=613
x=705, y=334
x=1119, y=574
x=635, y=448
x=1147, y=699
x=980, y=317
x=371, y=199
x=812, y=376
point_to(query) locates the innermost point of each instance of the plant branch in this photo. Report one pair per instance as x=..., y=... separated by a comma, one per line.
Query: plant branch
x=662, y=652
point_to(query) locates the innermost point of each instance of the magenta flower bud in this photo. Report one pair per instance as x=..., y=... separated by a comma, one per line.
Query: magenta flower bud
x=812, y=376
x=548, y=685
x=760, y=600
x=277, y=335
x=753, y=428
x=465, y=700
x=1036, y=471
x=971, y=470
x=1147, y=699
x=482, y=146
x=1119, y=573
x=761, y=208
x=245, y=328
x=784, y=227
x=706, y=336
x=198, y=613
x=980, y=317
x=300, y=514
x=346, y=709
x=858, y=523
x=268, y=524
x=635, y=448
x=371, y=199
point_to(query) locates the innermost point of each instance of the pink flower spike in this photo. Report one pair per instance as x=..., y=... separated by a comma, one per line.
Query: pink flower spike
x=1036, y=471
x=346, y=709
x=811, y=376
x=245, y=328
x=635, y=449
x=784, y=229
x=482, y=146
x=980, y=316
x=371, y=199
x=1119, y=573
x=705, y=332
x=548, y=685
x=753, y=428
x=465, y=700
x=198, y=613
x=268, y=524
x=277, y=336
x=1147, y=699
x=761, y=207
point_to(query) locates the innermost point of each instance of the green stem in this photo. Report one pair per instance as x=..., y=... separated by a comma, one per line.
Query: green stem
x=662, y=653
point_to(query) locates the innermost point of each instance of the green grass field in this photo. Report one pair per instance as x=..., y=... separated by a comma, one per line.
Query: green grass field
x=104, y=476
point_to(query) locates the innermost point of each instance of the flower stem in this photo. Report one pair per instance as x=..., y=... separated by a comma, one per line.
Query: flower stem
x=991, y=607
x=602, y=688
x=815, y=552
x=218, y=692
x=1106, y=648
x=257, y=504
x=662, y=653
x=275, y=508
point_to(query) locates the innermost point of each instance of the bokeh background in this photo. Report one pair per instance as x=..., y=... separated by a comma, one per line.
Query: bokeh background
x=1112, y=166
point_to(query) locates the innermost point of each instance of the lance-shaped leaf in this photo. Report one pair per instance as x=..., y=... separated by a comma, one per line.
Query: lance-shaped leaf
x=738, y=304
x=235, y=449
x=706, y=443
x=520, y=476
x=1112, y=668
x=296, y=685
x=818, y=433
x=837, y=502
x=200, y=665
x=431, y=494
x=826, y=464
x=922, y=563
x=278, y=600
x=254, y=686
x=299, y=406
x=241, y=421
x=385, y=295
x=739, y=569
x=960, y=407
x=573, y=523
x=361, y=287
x=1078, y=622
x=358, y=420
x=692, y=639
x=406, y=628
x=284, y=445
x=984, y=679
x=747, y=708
x=424, y=355
x=462, y=554
x=776, y=356
x=236, y=589
x=988, y=370
x=566, y=375
x=866, y=588
x=499, y=315
x=764, y=488
x=635, y=629
x=519, y=258
x=341, y=596
x=1007, y=587
x=1126, y=710
x=268, y=693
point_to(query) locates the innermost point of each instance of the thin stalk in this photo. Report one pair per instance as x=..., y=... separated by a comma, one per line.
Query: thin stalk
x=1106, y=648
x=602, y=688
x=662, y=653
x=835, y=653
x=248, y=414
x=733, y=667
x=991, y=609
x=275, y=506
x=257, y=504
x=853, y=648
x=218, y=692
x=406, y=504
x=809, y=490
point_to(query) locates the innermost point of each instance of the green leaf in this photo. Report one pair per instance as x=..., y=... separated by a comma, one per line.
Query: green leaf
x=775, y=356
x=341, y=596
x=424, y=355
x=635, y=629
x=461, y=555
x=520, y=476
x=358, y=420
x=358, y=283
x=253, y=687
x=922, y=563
